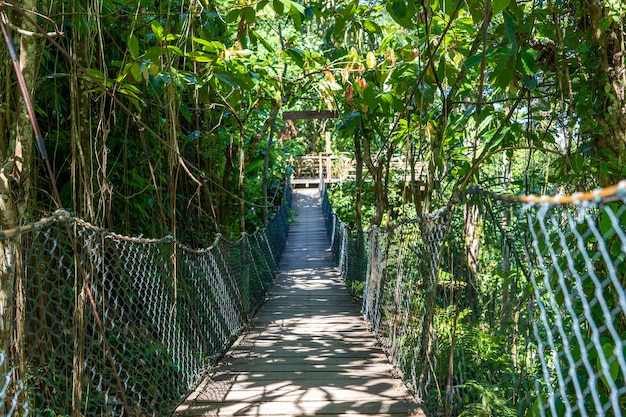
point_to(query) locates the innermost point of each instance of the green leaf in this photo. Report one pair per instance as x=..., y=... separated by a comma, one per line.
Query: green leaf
x=529, y=61
x=297, y=55
x=477, y=10
x=370, y=98
x=154, y=54
x=530, y=82
x=157, y=30
x=498, y=6
x=264, y=42
x=494, y=144
x=503, y=76
x=511, y=33
x=473, y=60
x=295, y=6
x=209, y=46
x=232, y=16
x=372, y=27
x=99, y=75
x=349, y=123
x=449, y=6
x=175, y=50
x=249, y=14
x=200, y=56
x=297, y=18
x=279, y=7
x=132, y=94
x=135, y=71
x=609, y=353
x=226, y=79
x=133, y=47
x=402, y=12
x=255, y=165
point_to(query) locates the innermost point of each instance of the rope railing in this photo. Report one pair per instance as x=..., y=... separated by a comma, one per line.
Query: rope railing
x=501, y=305
x=95, y=323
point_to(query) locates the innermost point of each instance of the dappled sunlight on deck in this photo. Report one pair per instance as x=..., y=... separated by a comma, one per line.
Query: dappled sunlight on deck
x=308, y=351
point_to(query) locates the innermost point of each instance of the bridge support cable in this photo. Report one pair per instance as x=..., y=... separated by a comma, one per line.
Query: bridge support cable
x=168, y=313
x=521, y=312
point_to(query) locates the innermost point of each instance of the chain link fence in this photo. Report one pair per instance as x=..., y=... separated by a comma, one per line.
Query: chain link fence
x=500, y=306
x=94, y=323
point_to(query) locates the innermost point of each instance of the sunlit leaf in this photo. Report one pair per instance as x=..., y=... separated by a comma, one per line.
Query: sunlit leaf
x=200, y=56
x=209, y=46
x=528, y=58
x=372, y=27
x=295, y=6
x=157, y=30
x=370, y=60
x=175, y=50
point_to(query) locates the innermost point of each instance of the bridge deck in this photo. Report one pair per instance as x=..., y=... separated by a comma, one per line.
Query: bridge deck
x=308, y=351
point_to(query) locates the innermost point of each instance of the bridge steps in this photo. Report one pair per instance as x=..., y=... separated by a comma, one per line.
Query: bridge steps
x=308, y=351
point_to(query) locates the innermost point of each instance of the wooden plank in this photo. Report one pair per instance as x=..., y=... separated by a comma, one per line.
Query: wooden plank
x=299, y=408
x=308, y=351
x=310, y=114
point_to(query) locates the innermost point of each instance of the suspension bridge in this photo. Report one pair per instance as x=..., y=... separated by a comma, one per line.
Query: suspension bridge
x=497, y=305
x=308, y=351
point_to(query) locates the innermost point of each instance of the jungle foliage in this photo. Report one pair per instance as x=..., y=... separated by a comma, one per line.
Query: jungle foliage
x=164, y=117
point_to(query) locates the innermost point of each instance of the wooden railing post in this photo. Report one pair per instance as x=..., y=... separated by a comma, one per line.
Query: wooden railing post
x=321, y=168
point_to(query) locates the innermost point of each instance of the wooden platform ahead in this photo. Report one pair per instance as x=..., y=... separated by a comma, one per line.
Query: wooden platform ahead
x=308, y=351
x=312, y=182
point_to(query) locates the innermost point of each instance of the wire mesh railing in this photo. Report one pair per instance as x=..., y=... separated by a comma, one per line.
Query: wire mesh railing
x=500, y=306
x=95, y=323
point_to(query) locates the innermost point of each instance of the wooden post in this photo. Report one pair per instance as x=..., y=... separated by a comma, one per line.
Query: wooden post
x=329, y=161
x=321, y=168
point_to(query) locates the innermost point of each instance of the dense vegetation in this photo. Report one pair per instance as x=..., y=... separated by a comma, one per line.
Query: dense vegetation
x=164, y=116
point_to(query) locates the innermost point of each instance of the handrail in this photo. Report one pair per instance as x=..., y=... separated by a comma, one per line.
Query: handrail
x=167, y=312
x=512, y=303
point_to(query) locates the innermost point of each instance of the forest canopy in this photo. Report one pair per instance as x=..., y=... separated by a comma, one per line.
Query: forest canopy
x=165, y=117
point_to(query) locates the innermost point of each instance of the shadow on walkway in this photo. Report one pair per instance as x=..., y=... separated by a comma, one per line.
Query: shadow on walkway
x=308, y=351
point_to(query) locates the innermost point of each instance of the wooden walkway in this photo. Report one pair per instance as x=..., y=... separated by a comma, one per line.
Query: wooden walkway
x=308, y=351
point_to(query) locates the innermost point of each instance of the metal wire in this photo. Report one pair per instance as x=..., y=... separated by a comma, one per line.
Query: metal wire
x=501, y=306
x=166, y=312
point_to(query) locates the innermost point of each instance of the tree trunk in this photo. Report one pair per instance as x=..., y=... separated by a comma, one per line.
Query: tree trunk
x=611, y=142
x=80, y=123
x=16, y=185
x=242, y=182
x=472, y=234
x=358, y=156
x=375, y=169
x=266, y=161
